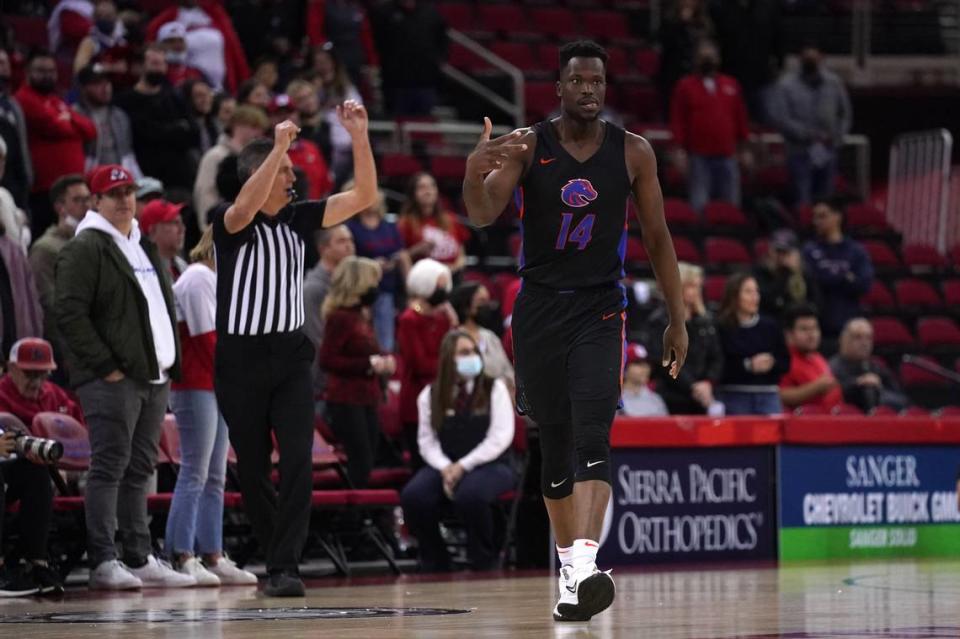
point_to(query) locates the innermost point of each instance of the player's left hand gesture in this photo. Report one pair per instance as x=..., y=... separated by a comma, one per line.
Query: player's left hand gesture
x=353, y=117
x=675, y=342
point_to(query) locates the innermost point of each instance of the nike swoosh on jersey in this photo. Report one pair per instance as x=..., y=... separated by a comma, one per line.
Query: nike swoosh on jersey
x=609, y=315
x=545, y=161
x=560, y=483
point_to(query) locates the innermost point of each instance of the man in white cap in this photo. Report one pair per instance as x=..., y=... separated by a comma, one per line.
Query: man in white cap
x=173, y=38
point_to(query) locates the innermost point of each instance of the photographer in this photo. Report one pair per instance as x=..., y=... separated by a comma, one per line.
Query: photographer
x=25, y=389
x=26, y=480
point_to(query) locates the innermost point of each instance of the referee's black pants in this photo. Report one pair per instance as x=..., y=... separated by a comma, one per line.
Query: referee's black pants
x=263, y=383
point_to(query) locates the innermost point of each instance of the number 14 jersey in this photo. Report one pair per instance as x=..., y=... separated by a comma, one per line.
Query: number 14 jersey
x=573, y=215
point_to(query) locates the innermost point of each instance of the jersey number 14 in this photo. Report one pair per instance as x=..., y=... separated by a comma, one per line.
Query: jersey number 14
x=580, y=235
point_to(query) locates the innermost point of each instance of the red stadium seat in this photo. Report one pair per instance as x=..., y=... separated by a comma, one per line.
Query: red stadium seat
x=805, y=215
x=912, y=376
x=713, y=287
x=504, y=18
x=889, y=332
x=399, y=165
x=70, y=433
x=865, y=216
x=916, y=294
x=846, y=409
x=923, y=256
x=558, y=22
x=679, y=212
x=465, y=59
x=915, y=411
x=541, y=99
x=881, y=254
x=810, y=409
x=938, y=333
x=548, y=56
x=724, y=214
x=686, y=250
x=883, y=411
x=448, y=167
x=519, y=54
x=608, y=25
x=951, y=294
x=636, y=251
x=618, y=63
x=878, y=298
x=648, y=62
x=950, y=411
x=723, y=251
x=954, y=254
x=641, y=101
x=457, y=15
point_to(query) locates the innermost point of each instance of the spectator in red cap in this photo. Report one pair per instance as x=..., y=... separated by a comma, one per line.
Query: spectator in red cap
x=56, y=135
x=637, y=397
x=173, y=38
x=115, y=310
x=162, y=223
x=25, y=389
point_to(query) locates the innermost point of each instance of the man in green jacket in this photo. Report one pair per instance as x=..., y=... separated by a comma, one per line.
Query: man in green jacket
x=115, y=309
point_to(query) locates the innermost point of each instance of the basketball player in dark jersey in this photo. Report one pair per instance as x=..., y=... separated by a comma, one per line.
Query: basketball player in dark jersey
x=570, y=178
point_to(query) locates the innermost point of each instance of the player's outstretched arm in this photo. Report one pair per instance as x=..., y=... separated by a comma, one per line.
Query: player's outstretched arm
x=255, y=191
x=493, y=170
x=363, y=195
x=642, y=164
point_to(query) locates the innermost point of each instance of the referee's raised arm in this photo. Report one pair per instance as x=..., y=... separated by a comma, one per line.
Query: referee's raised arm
x=364, y=194
x=259, y=187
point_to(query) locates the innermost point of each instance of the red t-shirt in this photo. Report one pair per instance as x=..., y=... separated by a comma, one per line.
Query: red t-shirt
x=307, y=157
x=52, y=399
x=447, y=245
x=195, y=295
x=418, y=345
x=807, y=368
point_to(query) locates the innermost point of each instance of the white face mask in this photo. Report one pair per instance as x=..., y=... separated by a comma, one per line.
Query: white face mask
x=469, y=366
x=176, y=57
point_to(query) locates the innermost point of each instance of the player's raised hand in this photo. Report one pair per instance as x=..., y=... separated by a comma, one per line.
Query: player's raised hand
x=490, y=155
x=284, y=134
x=353, y=117
x=675, y=343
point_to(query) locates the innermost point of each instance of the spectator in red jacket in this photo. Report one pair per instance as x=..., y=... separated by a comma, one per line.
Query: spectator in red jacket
x=351, y=358
x=212, y=43
x=708, y=118
x=420, y=330
x=25, y=389
x=55, y=133
x=809, y=382
x=304, y=154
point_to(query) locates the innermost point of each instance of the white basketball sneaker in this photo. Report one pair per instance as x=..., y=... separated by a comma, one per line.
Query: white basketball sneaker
x=159, y=574
x=113, y=575
x=232, y=575
x=195, y=569
x=584, y=592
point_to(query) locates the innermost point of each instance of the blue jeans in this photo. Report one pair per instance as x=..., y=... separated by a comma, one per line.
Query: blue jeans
x=195, y=524
x=741, y=403
x=385, y=321
x=810, y=182
x=713, y=178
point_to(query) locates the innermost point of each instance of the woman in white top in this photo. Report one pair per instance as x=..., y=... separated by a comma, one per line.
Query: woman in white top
x=466, y=423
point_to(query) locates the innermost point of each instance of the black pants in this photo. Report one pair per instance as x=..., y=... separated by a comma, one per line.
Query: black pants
x=263, y=384
x=42, y=214
x=30, y=484
x=358, y=429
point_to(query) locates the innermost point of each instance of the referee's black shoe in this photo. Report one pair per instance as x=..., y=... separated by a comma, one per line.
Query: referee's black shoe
x=284, y=583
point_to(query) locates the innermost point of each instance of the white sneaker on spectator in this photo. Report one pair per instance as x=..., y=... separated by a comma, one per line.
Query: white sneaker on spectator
x=195, y=569
x=159, y=574
x=113, y=575
x=231, y=575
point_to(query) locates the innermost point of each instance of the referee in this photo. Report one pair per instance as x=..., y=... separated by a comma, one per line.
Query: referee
x=262, y=370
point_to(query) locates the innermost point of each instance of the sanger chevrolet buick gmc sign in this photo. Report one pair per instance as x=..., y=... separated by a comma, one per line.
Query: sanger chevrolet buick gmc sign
x=868, y=501
x=690, y=505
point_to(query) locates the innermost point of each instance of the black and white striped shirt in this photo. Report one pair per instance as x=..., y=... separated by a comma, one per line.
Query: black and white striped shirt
x=260, y=270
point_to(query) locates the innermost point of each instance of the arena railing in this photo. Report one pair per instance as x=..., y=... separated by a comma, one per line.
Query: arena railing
x=918, y=192
x=516, y=109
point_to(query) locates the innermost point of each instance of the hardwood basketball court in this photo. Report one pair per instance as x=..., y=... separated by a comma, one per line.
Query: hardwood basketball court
x=896, y=599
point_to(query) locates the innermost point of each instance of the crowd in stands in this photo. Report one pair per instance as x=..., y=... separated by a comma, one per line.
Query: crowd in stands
x=149, y=126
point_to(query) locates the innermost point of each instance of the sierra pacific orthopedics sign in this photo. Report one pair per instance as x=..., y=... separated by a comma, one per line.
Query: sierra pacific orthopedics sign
x=868, y=501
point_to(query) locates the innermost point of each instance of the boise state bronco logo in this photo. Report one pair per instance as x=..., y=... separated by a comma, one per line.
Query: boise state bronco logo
x=578, y=193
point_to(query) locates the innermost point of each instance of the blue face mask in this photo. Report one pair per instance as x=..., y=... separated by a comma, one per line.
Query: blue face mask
x=469, y=366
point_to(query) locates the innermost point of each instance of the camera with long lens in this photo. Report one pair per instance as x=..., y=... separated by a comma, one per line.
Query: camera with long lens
x=48, y=451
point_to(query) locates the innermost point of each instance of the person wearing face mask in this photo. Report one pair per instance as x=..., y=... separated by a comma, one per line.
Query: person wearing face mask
x=173, y=38
x=56, y=134
x=71, y=199
x=114, y=143
x=811, y=109
x=420, y=329
x=18, y=175
x=165, y=138
x=353, y=363
x=783, y=276
x=107, y=46
x=465, y=427
x=708, y=119
x=479, y=317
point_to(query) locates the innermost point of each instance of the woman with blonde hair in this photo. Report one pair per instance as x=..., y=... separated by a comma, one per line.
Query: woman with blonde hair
x=350, y=357
x=194, y=535
x=692, y=392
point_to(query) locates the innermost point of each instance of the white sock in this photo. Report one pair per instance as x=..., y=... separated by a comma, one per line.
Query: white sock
x=584, y=552
x=565, y=555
